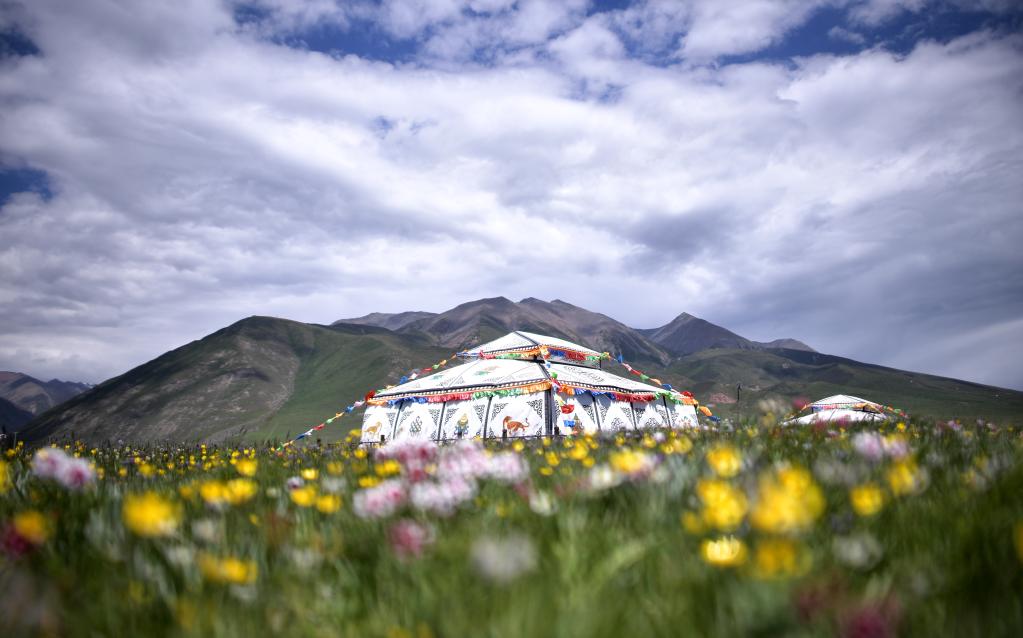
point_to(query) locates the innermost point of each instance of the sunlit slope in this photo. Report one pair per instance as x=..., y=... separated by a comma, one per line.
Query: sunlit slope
x=260, y=377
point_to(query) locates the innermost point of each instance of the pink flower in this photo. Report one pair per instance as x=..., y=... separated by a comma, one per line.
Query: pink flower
x=409, y=539
x=507, y=467
x=76, y=474
x=441, y=497
x=380, y=500
x=869, y=445
x=54, y=464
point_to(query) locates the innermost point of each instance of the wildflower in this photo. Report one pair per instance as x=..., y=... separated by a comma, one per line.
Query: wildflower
x=379, y=501
x=304, y=496
x=246, y=467
x=441, y=497
x=409, y=539
x=725, y=460
x=229, y=570
x=724, y=505
x=727, y=551
x=780, y=558
x=788, y=501
x=867, y=499
x=541, y=503
x=5, y=477
x=693, y=523
x=328, y=503
x=869, y=445
x=54, y=464
x=387, y=468
x=602, y=477
x=294, y=483
x=150, y=515
x=506, y=467
x=335, y=468
x=31, y=526
x=905, y=477
x=861, y=551
x=309, y=473
x=896, y=446
x=631, y=463
x=502, y=560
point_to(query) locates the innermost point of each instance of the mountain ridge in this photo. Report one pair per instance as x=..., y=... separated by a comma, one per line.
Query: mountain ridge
x=268, y=378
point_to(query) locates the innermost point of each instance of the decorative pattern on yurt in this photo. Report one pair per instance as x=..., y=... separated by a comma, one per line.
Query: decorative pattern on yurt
x=523, y=385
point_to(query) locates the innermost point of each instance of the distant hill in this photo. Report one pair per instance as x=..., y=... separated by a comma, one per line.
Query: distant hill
x=686, y=334
x=12, y=418
x=34, y=396
x=261, y=377
x=391, y=321
x=264, y=377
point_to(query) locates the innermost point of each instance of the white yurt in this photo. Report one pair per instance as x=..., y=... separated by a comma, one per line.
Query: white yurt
x=522, y=385
x=841, y=407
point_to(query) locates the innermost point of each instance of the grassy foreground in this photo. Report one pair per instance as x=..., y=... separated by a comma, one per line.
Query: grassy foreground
x=917, y=530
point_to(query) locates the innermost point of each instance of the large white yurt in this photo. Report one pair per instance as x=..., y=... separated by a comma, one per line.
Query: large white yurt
x=521, y=385
x=841, y=407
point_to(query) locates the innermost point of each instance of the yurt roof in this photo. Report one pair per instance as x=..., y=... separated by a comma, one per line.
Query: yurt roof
x=496, y=375
x=840, y=401
x=838, y=415
x=528, y=345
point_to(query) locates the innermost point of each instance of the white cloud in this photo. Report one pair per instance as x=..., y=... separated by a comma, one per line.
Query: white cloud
x=867, y=204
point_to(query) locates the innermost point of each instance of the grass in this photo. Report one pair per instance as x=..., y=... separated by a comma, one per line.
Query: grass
x=623, y=535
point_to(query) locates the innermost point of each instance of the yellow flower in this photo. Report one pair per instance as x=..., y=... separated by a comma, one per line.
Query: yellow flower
x=693, y=523
x=5, y=477
x=146, y=470
x=246, y=467
x=867, y=499
x=240, y=490
x=546, y=471
x=387, y=468
x=335, y=468
x=213, y=492
x=309, y=473
x=788, y=501
x=579, y=452
x=779, y=558
x=724, y=505
x=629, y=461
x=304, y=496
x=725, y=460
x=149, y=514
x=328, y=503
x=518, y=446
x=552, y=458
x=727, y=551
x=904, y=477
x=230, y=570
x=32, y=526
x=368, y=481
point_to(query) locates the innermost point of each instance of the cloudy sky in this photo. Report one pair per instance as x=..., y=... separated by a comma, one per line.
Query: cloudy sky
x=845, y=172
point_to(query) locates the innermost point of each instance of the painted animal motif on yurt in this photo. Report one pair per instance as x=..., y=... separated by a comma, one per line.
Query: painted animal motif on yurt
x=514, y=426
x=372, y=430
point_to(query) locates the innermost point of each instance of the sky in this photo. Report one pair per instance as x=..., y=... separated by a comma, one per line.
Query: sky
x=845, y=172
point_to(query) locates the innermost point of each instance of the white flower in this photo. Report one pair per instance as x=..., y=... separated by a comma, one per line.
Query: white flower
x=541, y=503
x=502, y=560
x=861, y=551
x=294, y=483
x=602, y=477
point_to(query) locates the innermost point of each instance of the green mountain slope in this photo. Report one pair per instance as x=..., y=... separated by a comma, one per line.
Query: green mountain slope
x=258, y=378
x=12, y=418
x=789, y=374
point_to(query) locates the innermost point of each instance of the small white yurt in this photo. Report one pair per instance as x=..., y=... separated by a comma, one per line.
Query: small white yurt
x=521, y=385
x=841, y=407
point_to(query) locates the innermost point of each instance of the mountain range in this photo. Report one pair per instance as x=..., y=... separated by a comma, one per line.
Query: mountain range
x=264, y=378
x=22, y=397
